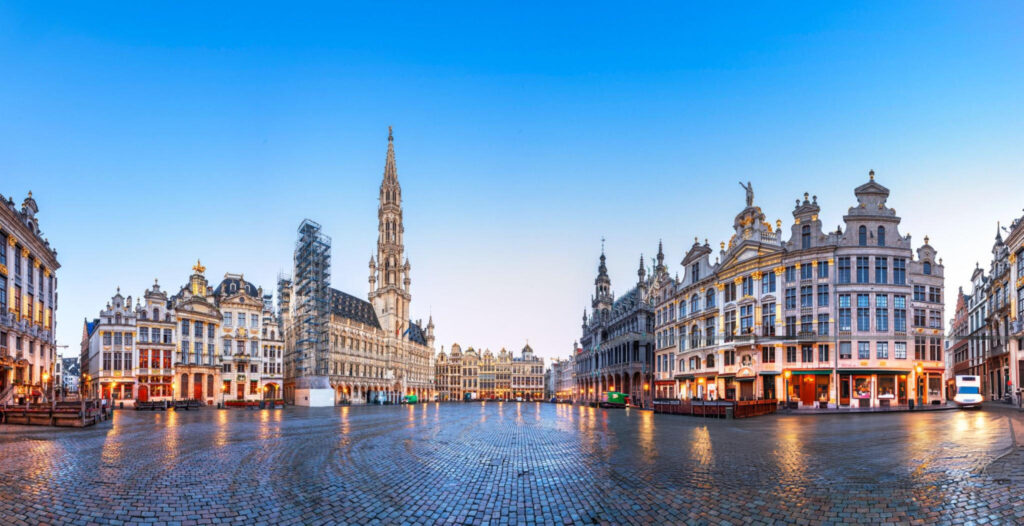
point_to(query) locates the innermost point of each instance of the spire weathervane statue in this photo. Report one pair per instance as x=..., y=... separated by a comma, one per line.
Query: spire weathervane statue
x=750, y=192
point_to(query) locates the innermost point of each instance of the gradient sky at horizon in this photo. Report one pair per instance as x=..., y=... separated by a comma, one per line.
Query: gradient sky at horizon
x=155, y=135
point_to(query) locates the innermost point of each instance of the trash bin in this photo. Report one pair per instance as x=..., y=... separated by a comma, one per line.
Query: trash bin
x=729, y=413
x=121, y=406
x=263, y=404
x=910, y=404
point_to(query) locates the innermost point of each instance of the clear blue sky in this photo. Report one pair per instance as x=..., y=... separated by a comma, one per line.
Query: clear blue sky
x=155, y=135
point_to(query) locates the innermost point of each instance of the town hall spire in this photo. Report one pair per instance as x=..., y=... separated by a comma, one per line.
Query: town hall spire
x=390, y=290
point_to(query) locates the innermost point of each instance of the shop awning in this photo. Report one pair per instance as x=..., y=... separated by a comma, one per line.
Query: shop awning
x=811, y=371
x=684, y=377
x=770, y=373
x=872, y=371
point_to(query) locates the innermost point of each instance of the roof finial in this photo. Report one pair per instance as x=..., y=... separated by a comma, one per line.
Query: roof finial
x=390, y=136
x=602, y=245
x=871, y=174
x=198, y=267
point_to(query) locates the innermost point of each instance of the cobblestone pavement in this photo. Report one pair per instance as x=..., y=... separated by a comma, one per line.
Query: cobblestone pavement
x=512, y=464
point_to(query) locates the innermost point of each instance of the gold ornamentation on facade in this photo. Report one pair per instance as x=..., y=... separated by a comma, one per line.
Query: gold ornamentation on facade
x=796, y=221
x=36, y=264
x=814, y=217
x=757, y=274
x=720, y=286
x=24, y=252
x=779, y=271
x=12, y=241
x=3, y=269
x=198, y=267
x=738, y=280
x=46, y=272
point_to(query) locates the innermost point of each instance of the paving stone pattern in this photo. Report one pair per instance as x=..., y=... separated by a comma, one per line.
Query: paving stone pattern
x=512, y=463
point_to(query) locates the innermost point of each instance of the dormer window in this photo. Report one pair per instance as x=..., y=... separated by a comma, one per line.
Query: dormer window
x=881, y=236
x=862, y=236
x=927, y=268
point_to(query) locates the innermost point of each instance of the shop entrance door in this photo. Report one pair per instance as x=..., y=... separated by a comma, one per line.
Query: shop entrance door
x=807, y=389
x=746, y=390
x=768, y=387
x=197, y=387
x=143, y=393
x=240, y=390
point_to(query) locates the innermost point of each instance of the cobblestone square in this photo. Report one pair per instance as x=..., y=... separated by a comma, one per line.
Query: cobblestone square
x=512, y=463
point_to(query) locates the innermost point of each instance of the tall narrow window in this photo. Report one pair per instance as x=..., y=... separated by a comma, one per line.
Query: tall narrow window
x=863, y=312
x=881, y=236
x=899, y=271
x=844, y=270
x=881, y=270
x=805, y=237
x=862, y=236
x=862, y=269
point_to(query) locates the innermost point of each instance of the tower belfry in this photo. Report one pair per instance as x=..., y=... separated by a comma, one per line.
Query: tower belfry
x=389, y=274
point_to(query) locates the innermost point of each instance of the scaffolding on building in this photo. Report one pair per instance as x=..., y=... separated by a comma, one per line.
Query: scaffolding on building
x=312, y=294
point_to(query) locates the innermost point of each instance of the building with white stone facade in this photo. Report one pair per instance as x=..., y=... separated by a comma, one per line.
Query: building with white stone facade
x=196, y=361
x=838, y=318
x=340, y=348
x=108, y=354
x=562, y=371
x=272, y=343
x=527, y=376
x=248, y=348
x=28, y=304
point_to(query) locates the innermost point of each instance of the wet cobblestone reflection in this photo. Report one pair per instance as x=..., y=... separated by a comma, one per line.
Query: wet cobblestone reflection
x=510, y=464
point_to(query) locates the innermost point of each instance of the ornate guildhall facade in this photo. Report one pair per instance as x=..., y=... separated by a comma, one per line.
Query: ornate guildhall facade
x=838, y=318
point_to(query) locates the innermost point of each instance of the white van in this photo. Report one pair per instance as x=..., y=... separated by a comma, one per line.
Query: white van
x=968, y=391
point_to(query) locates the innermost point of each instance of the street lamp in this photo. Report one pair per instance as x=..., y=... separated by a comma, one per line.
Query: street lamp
x=223, y=391
x=785, y=375
x=46, y=383
x=920, y=383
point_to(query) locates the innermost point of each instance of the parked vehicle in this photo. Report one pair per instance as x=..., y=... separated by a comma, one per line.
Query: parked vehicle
x=613, y=399
x=968, y=391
